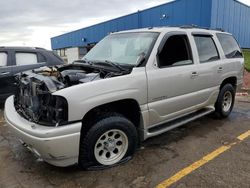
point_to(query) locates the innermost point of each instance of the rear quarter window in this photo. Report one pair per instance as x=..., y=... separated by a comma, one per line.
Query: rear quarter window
x=26, y=58
x=229, y=45
x=3, y=59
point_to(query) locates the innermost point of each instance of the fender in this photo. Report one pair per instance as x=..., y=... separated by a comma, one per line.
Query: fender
x=84, y=97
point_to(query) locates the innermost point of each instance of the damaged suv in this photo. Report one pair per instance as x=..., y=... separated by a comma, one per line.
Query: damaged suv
x=131, y=86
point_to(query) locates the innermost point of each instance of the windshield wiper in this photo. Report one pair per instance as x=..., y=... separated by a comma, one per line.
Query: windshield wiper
x=83, y=61
x=113, y=64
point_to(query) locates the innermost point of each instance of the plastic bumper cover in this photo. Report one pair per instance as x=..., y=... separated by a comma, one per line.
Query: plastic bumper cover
x=58, y=146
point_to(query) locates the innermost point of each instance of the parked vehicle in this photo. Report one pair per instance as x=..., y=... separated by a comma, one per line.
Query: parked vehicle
x=131, y=86
x=14, y=60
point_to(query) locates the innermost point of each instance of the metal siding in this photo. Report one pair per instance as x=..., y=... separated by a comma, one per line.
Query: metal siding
x=179, y=12
x=233, y=17
x=205, y=12
x=246, y=22
x=194, y=7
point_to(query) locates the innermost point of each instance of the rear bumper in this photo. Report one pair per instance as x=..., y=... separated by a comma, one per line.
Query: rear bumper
x=58, y=146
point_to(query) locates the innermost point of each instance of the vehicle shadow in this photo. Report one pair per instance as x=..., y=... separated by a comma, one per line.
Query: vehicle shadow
x=195, y=128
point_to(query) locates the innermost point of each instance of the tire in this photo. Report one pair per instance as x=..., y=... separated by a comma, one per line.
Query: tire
x=108, y=141
x=225, y=101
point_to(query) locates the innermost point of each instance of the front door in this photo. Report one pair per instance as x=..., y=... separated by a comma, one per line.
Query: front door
x=172, y=83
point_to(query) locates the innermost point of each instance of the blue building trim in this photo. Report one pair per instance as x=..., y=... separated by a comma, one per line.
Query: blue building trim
x=179, y=12
x=230, y=15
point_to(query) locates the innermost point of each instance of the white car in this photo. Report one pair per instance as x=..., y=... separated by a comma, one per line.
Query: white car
x=131, y=86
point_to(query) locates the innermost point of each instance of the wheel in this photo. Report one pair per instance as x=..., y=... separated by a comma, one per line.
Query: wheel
x=108, y=141
x=225, y=101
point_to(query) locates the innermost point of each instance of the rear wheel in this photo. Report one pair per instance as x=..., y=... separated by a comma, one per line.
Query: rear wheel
x=108, y=141
x=225, y=101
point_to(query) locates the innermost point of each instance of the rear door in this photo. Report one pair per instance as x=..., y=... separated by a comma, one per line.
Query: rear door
x=209, y=68
x=7, y=80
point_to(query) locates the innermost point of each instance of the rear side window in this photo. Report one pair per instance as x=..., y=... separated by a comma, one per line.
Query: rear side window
x=3, y=59
x=206, y=49
x=41, y=57
x=229, y=45
x=26, y=58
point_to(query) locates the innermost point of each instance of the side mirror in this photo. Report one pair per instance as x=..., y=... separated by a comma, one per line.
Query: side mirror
x=141, y=59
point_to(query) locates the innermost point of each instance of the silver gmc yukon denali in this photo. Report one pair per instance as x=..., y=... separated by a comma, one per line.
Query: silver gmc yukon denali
x=131, y=86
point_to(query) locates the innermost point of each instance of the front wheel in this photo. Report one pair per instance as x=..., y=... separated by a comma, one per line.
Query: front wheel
x=108, y=141
x=111, y=147
x=225, y=101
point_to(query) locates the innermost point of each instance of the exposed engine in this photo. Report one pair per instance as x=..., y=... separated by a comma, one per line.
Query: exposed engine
x=35, y=101
x=73, y=77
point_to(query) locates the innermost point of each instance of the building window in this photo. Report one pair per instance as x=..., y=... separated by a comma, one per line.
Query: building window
x=62, y=52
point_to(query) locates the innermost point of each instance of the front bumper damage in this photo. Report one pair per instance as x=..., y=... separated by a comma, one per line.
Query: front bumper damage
x=58, y=146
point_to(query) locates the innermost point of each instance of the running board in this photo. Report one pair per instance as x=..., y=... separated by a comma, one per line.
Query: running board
x=159, y=129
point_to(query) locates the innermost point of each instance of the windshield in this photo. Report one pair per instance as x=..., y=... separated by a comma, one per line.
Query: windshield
x=124, y=48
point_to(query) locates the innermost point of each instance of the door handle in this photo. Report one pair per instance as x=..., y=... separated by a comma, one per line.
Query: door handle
x=4, y=73
x=220, y=69
x=194, y=75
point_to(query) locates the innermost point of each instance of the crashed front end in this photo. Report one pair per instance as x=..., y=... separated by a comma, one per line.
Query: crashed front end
x=39, y=120
x=36, y=103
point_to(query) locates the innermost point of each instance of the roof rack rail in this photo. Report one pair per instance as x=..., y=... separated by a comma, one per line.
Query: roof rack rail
x=219, y=29
x=198, y=27
x=27, y=47
x=193, y=26
x=189, y=26
x=39, y=48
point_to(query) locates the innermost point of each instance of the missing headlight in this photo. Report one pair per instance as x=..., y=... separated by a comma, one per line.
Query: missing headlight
x=54, y=109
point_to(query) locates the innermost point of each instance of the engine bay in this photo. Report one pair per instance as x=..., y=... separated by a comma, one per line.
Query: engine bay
x=34, y=100
x=78, y=73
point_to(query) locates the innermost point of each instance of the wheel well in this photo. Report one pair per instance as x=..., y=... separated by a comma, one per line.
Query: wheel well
x=129, y=108
x=230, y=80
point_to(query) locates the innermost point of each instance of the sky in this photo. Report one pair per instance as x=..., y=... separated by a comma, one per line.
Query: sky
x=34, y=22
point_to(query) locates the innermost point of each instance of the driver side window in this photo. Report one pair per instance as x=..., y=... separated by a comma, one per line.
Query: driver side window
x=175, y=52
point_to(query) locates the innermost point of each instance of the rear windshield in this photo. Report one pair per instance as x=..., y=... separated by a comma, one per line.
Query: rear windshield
x=230, y=46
